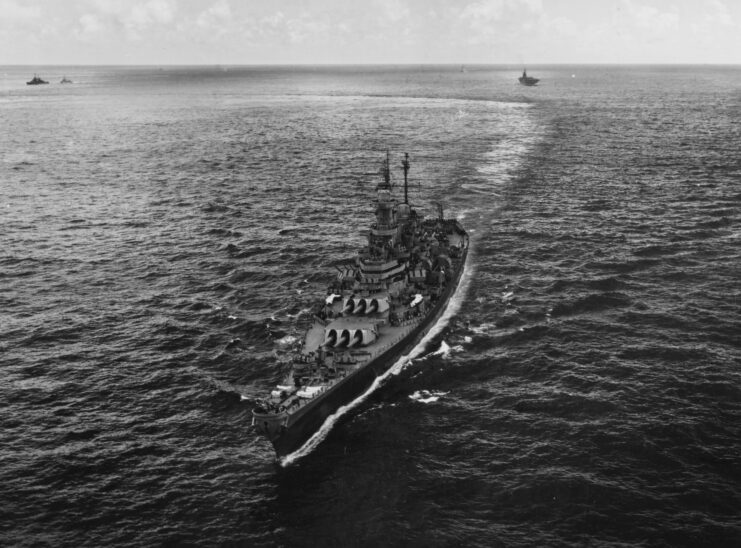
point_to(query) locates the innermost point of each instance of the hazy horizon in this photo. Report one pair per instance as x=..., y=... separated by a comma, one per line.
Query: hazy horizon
x=319, y=64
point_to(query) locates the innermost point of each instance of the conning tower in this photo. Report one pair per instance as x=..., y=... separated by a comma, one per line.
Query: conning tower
x=384, y=233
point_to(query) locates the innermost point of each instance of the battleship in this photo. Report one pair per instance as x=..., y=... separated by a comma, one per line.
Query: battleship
x=377, y=309
x=35, y=81
x=526, y=80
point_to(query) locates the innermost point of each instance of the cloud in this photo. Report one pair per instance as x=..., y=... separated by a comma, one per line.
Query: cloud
x=496, y=20
x=718, y=14
x=153, y=12
x=14, y=12
x=296, y=30
x=487, y=11
x=563, y=26
x=394, y=10
x=216, y=17
x=651, y=18
x=306, y=28
x=134, y=19
x=90, y=26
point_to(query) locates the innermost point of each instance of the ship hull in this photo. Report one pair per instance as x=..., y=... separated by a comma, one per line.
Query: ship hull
x=289, y=433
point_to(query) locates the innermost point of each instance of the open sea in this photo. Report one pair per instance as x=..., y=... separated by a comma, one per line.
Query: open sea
x=165, y=231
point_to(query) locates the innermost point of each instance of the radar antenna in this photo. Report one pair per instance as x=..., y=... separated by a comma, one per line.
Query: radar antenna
x=405, y=165
x=386, y=173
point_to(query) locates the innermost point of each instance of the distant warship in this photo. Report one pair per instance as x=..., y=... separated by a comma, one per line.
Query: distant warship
x=378, y=309
x=526, y=80
x=65, y=80
x=35, y=81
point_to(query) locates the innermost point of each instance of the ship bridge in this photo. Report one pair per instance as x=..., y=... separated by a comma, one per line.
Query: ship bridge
x=376, y=271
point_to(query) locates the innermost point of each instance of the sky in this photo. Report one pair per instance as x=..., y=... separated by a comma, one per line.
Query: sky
x=246, y=32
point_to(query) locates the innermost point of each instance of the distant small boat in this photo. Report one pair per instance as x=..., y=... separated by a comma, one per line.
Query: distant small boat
x=65, y=80
x=36, y=81
x=526, y=80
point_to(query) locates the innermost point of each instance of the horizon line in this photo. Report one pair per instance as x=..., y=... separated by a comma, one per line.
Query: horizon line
x=374, y=64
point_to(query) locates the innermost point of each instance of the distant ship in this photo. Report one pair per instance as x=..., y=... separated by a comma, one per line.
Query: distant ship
x=36, y=81
x=65, y=80
x=378, y=309
x=526, y=80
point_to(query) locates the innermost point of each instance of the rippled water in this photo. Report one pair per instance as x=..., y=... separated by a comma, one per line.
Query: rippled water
x=165, y=231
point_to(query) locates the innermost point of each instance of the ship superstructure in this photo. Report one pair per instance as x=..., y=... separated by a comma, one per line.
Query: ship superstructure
x=377, y=309
x=526, y=80
x=35, y=81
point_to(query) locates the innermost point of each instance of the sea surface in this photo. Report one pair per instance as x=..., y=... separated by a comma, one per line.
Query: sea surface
x=165, y=231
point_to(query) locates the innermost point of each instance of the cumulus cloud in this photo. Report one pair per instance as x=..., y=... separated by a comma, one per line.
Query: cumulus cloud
x=718, y=14
x=133, y=18
x=153, y=12
x=13, y=11
x=298, y=29
x=563, y=26
x=306, y=28
x=394, y=10
x=215, y=15
x=369, y=31
x=487, y=11
x=651, y=18
x=486, y=19
x=90, y=25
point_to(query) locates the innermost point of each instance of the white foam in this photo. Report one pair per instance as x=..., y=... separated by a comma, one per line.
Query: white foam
x=484, y=328
x=453, y=307
x=443, y=351
x=507, y=155
x=300, y=313
x=426, y=396
x=286, y=341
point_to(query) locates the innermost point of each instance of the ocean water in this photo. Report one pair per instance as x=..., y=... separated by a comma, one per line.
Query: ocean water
x=165, y=230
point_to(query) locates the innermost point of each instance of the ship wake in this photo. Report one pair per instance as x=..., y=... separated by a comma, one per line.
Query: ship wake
x=451, y=310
